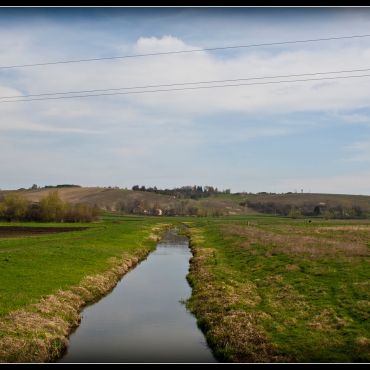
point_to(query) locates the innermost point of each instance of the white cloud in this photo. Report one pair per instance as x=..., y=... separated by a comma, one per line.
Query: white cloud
x=151, y=134
x=165, y=43
x=179, y=68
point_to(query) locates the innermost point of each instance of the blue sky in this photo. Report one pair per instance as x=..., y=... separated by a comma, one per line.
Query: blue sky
x=310, y=135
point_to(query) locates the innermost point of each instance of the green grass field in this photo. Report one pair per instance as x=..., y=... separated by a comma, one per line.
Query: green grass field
x=34, y=266
x=276, y=289
x=46, y=280
x=265, y=288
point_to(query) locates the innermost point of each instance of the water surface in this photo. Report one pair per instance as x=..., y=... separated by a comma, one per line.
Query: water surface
x=143, y=318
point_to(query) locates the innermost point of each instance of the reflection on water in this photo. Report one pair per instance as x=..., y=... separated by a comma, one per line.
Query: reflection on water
x=143, y=319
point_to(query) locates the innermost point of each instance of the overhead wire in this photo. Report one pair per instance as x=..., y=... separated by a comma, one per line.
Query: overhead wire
x=183, y=51
x=183, y=83
x=182, y=89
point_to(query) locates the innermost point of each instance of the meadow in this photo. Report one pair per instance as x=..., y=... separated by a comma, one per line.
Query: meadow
x=47, y=279
x=273, y=289
x=265, y=288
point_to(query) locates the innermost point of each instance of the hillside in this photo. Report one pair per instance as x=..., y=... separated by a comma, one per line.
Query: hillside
x=139, y=202
x=310, y=204
x=142, y=202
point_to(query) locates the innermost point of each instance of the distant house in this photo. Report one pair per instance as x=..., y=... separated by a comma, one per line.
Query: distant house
x=158, y=212
x=318, y=209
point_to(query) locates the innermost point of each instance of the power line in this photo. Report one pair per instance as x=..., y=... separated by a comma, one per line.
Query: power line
x=183, y=51
x=183, y=88
x=184, y=83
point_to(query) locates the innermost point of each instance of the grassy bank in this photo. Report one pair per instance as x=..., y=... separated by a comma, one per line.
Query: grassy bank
x=47, y=280
x=265, y=289
x=269, y=289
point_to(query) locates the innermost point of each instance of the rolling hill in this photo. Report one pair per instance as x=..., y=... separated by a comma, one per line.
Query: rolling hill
x=129, y=201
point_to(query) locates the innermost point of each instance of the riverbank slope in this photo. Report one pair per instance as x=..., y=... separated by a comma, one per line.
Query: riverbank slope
x=47, y=280
x=271, y=289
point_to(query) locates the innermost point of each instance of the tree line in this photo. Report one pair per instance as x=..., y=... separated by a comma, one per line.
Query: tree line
x=178, y=207
x=192, y=192
x=14, y=207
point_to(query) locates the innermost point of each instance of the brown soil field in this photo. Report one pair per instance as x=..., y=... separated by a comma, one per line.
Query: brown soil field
x=16, y=231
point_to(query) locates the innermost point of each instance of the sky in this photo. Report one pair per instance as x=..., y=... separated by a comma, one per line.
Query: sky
x=312, y=136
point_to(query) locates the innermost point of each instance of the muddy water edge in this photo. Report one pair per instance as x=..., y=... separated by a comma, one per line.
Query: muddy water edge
x=144, y=318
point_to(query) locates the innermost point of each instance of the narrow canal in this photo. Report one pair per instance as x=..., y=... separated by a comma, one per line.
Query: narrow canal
x=144, y=318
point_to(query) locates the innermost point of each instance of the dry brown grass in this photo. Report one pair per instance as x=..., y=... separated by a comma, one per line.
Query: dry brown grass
x=156, y=230
x=292, y=267
x=345, y=228
x=363, y=343
x=28, y=336
x=299, y=200
x=328, y=321
x=240, y=333
x=311, y=246
x=344, y=233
